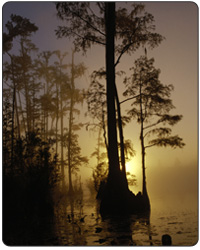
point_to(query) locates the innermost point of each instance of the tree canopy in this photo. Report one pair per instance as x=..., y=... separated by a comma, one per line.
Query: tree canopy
x=85, y=23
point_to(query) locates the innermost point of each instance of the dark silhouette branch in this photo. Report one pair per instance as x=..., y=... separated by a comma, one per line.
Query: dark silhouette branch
x=125, y=49
x=88, y=23
x=152, y=125
x=122, y=52
x=104, y=130
x=128, y=99
x=82, y=37
x=149, y=146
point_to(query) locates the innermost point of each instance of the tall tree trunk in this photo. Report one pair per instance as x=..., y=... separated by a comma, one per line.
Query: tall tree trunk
x=33, y=109
x=43, y=125
x=14, y=95
x=12, y=135
x=17, y=116
x=113, y=156
x=70, y=125
x=62, y=140
x=27, y=96
x=104, y=131
x=21, y=111
x=98, y=146
x=13, y=112
x=116, y=197
x=57, y=115
x=144, y=189
x=47, y=112
x=123, y=162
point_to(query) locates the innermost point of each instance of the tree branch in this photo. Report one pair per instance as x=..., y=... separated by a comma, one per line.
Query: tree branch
x=127, y=46
x=92, y=40
x=128, y=99
x=154, y=124
x=122, y=52
x=149, y=146
x=88, y=23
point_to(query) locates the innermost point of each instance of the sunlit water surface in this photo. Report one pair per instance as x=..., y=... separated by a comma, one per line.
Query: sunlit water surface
x=78, y=223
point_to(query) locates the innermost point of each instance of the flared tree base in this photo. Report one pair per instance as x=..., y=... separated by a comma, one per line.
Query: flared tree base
x=117, y=199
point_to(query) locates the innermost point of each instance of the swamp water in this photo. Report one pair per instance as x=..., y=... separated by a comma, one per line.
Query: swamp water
x=86, y=227
x=77, y=222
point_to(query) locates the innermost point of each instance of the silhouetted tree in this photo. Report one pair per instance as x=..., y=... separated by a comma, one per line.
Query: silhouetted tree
x=7, y=131
x=88, y=26
x=44, y=71
x=100, y=171
x=75, y=159
x=25, y=68
x=75, y=97
x=151, y=107
x=17, y=26
x=30, y=169
x=23, y=28
x=96, y=101
x=62, y=80
x=59, y=77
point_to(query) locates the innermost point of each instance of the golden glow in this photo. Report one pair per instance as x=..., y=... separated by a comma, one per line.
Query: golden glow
x=177, y=57
x=132, y=166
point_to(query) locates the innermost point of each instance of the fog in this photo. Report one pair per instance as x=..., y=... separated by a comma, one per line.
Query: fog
x=175, y=186
x=89, y=109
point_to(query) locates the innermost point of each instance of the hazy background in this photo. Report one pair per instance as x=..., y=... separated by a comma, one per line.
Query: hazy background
x=172, y=175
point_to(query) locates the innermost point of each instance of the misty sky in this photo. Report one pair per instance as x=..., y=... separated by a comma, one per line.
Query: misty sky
x=169, y=171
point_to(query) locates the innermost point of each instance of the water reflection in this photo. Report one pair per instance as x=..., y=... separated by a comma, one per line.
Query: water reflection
x=69, y=221
x=78, y=223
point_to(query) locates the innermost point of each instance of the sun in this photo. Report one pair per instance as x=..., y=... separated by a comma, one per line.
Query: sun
x=132, y=166
x=129, y=166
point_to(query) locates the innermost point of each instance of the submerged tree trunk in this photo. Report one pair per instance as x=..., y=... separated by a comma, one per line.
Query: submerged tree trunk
x=116, y=197
x=114, y=194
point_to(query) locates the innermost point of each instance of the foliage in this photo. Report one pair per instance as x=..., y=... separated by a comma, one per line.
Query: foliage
x=100, y=174
x=6, y=127
x=131, y=179
x=100, y=171
x=151, y=104
x=28, y=185
x=96, y=95
x=128, y=150
x=82, y=23
x=85, y=23
x=88, y=25
x=76, y=159
x=37, y=95
x=17, y=26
